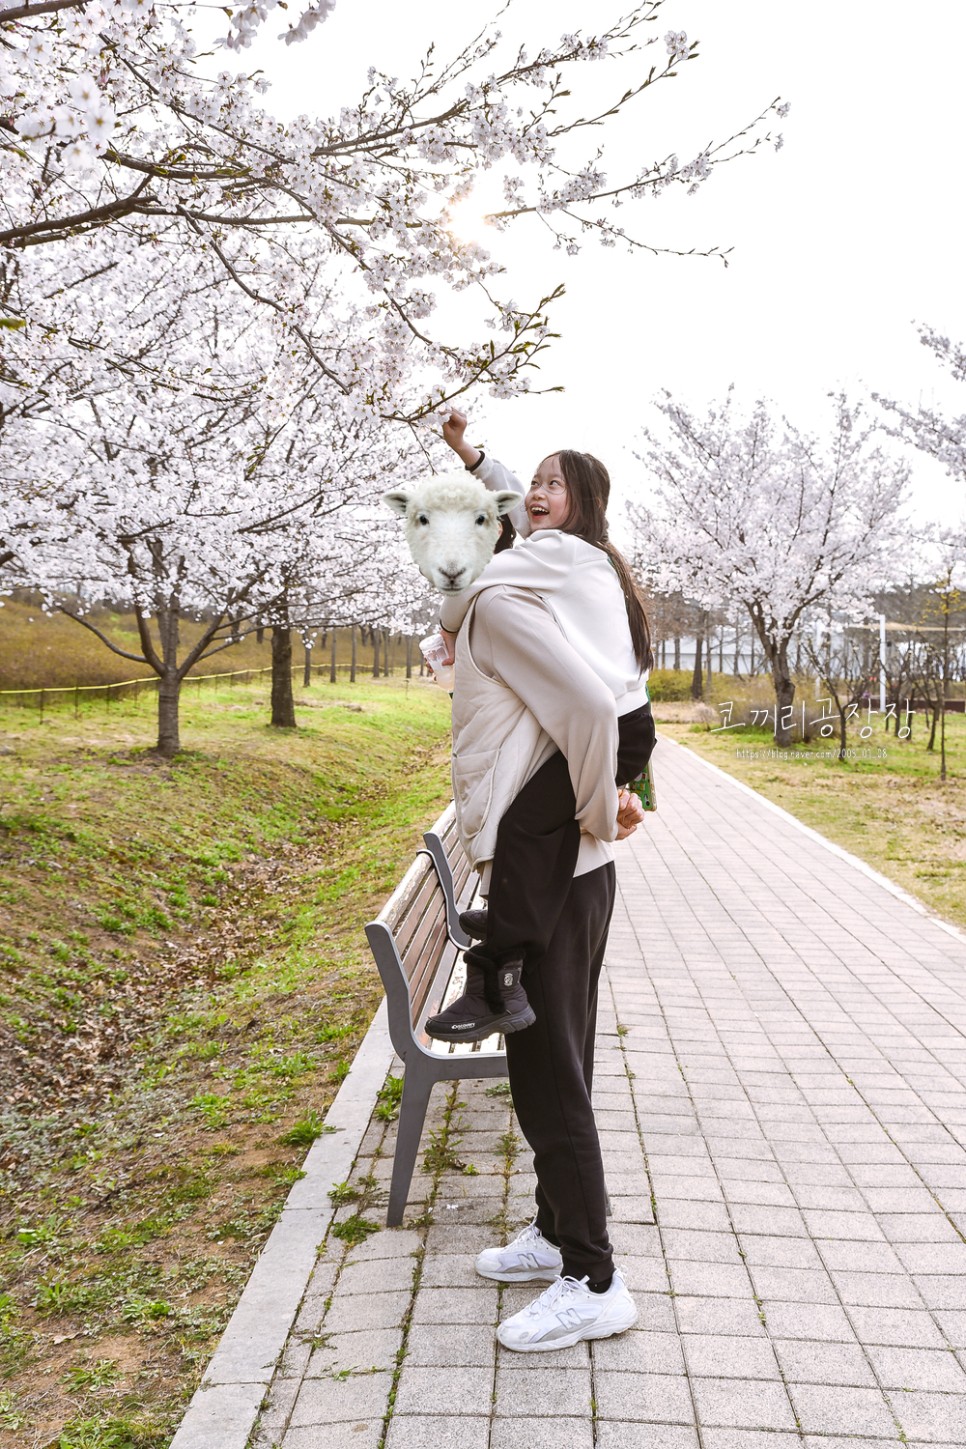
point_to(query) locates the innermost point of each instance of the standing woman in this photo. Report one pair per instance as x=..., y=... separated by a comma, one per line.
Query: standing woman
x=522, y=694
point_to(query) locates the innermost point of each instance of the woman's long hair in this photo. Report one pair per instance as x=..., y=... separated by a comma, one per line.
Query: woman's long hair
x=588, y=489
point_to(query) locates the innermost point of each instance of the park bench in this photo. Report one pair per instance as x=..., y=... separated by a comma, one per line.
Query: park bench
x=417, y=943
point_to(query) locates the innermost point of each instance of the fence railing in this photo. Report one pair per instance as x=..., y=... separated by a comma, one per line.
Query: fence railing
x=132, y=689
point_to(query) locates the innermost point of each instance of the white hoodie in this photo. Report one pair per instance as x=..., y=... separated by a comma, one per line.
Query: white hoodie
x=578, y=584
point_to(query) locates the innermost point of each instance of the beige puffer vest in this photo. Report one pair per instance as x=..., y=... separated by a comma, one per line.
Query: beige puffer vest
x=497, y=746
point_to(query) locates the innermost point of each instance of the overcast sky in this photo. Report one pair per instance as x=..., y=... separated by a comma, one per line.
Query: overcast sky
x=842, y=241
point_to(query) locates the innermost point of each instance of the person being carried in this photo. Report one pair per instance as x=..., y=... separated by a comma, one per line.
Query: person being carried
x=567, y=560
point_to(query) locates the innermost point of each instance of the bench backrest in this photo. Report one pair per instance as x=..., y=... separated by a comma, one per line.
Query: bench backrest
x=413, y=951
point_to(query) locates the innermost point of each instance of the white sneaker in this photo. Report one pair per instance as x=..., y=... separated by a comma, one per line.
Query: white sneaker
x=528, y=1258
x=567, y=1312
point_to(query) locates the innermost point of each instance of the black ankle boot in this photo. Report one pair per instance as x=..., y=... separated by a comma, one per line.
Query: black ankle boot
x=474, y=923
x=494, y=1001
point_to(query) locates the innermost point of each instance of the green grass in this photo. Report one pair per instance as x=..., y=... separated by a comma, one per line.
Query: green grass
x=885, y=804
x=184, y=981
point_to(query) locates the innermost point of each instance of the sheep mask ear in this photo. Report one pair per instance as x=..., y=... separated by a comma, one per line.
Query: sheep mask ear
x=505, y=500
x=397, y=500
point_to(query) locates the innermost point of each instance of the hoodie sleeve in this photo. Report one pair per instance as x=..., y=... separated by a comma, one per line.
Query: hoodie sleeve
x=517, y=640
x=545, y=563
x=492, y=472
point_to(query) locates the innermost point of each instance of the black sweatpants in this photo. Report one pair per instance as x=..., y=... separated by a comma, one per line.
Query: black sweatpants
x=536, y=850
x=551, y=1065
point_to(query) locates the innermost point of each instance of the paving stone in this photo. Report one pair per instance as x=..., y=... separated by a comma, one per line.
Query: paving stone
x=723, y=1356
x=368, y=1310
x=414, y=1431
x=544, y=1392
x=897, y=1327
x=456, y=1305
x=370, y=1348
x=457, y=1345
x=378, y=1275
x=804, y=1362
x=779, y=1252
x=918, y=1368
x=929, y=1416
x=876, y=1290
x=717, y=1280
x=823, y=1409
x=742, y=1404
x=719, y=1315
x=749, y=1439
x=823, y=1322
x=854, y=1257
x=642, y=1350
x=427, y=1391
x=709, y=1216
x=613, y=1434
x=644, y=1398
x=701, y=1247
x=360, y=1434
x=341, y=1401
x=794, y=1285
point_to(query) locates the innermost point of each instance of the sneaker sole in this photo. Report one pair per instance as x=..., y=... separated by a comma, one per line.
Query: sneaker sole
x=505, y=1025
x=600, y=1330
x=545, y=1275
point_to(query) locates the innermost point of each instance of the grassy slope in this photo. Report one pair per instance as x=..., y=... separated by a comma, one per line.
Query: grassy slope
x=889, y=808
x=39, y=650
x=184, y=981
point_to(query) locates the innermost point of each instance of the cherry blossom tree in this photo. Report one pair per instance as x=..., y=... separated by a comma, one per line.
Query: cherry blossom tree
x=752, y=510
x=942, y=438
x=114, y=121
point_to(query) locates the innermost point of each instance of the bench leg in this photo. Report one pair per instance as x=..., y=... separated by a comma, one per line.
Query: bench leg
x=417, y=1087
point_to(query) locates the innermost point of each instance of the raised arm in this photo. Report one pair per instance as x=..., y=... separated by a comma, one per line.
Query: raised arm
x=489, y=470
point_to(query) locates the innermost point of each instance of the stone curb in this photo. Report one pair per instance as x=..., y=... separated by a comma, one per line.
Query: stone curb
x=223, y=1411
x=867, y=870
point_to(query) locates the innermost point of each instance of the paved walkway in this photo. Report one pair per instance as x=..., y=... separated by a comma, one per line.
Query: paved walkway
x=780, y=1087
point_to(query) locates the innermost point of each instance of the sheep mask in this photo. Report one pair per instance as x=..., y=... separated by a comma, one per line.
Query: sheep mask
x=452, y=526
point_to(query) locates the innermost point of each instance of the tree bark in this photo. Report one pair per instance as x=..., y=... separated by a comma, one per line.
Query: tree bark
x=354, y=657
x=333, y=659
x=677, y=651
x=697, y=674
x=375, y=653
x=307, y=667
x=283, y=700
x=409, y=656
x=169, y=702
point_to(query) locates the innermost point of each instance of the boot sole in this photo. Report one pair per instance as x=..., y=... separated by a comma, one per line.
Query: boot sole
x=505, y=1025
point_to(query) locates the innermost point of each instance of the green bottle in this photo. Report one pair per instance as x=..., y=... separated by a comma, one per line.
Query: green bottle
x=643, y=787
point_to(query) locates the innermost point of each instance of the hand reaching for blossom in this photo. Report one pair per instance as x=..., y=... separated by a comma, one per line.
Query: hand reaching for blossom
x=630, y=814
x=454, y=430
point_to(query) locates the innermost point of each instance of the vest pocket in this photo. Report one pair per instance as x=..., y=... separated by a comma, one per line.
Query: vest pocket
x=473, y=774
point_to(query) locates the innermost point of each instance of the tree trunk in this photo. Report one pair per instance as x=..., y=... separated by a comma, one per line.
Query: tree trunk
x=259, y=635
x=283, y=701
x=677, y=651
x=751, y=661
x=386, y=642
x=169, y=702
x=697, y=673
x=721, y=650
x=409, y=656
x=777, y=657
x=307, y=667
x=375, y=653
x=843, y=734
x=933, y=724
x=352, y=666
x=333, y=658
x=708, y=656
